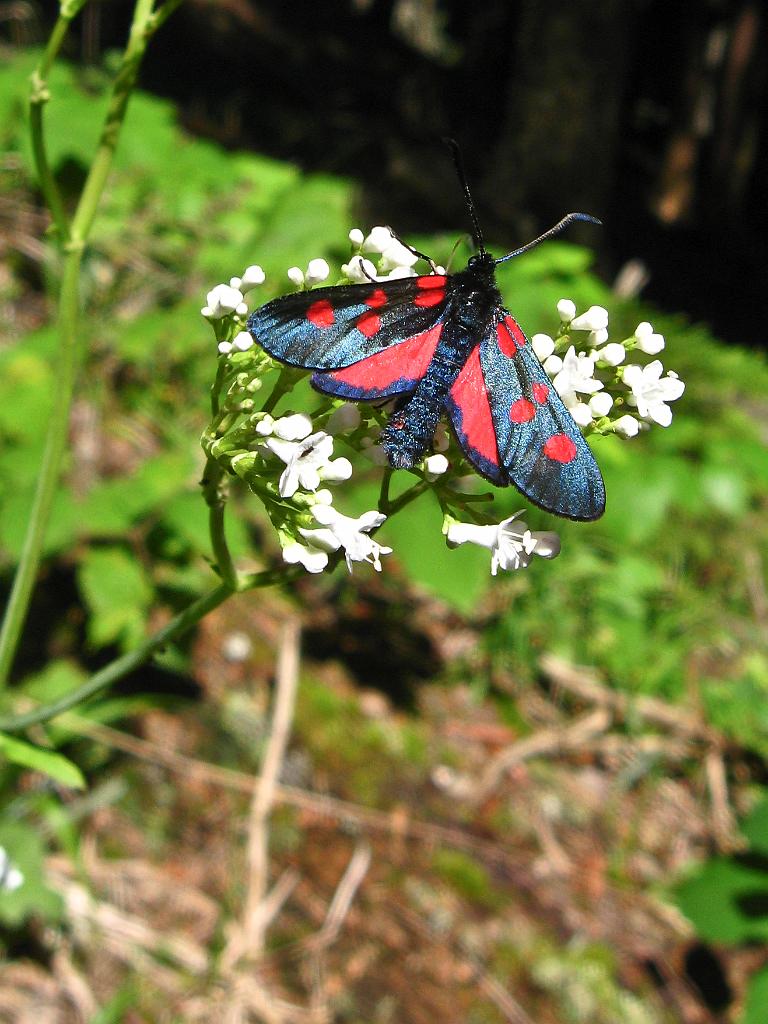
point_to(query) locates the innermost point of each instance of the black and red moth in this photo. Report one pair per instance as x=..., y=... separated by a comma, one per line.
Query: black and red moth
x=443, y=343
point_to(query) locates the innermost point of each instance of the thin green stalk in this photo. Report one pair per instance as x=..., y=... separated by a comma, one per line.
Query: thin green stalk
x=73, y=238
x=55, y=444
x=214, y=492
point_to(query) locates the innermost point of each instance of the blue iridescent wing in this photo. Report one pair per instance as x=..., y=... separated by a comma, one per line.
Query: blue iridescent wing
x=542, y=451
x=384, y=332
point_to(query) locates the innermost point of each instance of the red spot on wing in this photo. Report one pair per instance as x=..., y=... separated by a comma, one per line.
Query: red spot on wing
x=431, y=290
x=320, y=313
x=540, y=393
x=408, y=360
x=431, y=298
x=369, y=324
x=522, y=411
x=470, y=395
x=560, y=448
x=509, y=336
x=377, y=299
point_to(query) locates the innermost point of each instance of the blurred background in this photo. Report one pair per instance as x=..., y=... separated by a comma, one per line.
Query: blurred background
x=533, y=799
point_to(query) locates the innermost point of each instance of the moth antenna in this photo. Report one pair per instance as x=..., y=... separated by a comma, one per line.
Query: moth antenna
x=458, y=163
x=569, y=218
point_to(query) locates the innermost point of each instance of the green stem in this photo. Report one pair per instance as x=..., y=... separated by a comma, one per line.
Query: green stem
x=38, y=97
x=392, y=507
x=284, y=383
x=73, y=238
x=214, y=492
x=55, y=444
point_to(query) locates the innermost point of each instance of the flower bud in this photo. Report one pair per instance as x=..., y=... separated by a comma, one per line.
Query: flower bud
x=242, y=341
x=566, y=308
x=252, y=276
x=296, y=276
x=543, y=346
x=627, y=426
x=613, y=354
x=221, y=301
x=356, y=237
x=343, y=419
x=317, y=271
x=601, y=403
x=435, y=466
x=595, y=319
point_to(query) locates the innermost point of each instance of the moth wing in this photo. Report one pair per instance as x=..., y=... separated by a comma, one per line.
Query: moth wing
x=540, y=448
x=332, y=328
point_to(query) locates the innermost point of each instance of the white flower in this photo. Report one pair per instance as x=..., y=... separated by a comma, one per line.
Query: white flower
x=225, y=347
x=576, y=376
x=252, y=276
x=317, y=271
x=582, y=414
x=359, y=270
x=303, y=460
x=379, y=238
x=435, y=466
x=345, y=418
x=566, y=309
x=11, y=878
x=627, y=426
x=264, y=424
x=543, y=346
x=647, y=341
x=313, y=559
x=356, y=237
x=651, y=391
x=242, y=342
x=597, y=337
x=553, y=365
x=351, y=534
x=396, y=257
x=220, y=301
x=595, y=319
x=296, y=276
x=613, y=354
x=292, y=428
x=511, y=543
x=397, y=273
x=601, y=403
x=321, y=497
x=336, y=470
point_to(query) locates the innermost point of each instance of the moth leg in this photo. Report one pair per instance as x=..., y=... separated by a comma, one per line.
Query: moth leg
x=421, y=255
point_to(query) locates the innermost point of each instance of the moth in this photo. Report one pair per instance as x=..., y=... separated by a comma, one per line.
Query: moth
x=444, y=344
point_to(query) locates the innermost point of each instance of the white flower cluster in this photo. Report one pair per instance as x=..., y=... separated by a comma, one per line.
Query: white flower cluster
x=595, y=381
x=395, y=260
x=228, y=300
x=511, y=543
x=307, y=459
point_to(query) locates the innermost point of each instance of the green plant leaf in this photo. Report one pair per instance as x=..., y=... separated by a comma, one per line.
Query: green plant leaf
x=27, y=755
x=757, y=999
x=24, y=849
x=728, y=900
x=117, y=593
